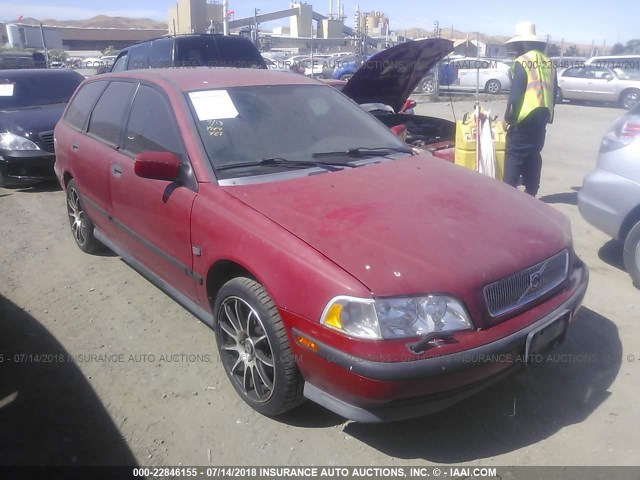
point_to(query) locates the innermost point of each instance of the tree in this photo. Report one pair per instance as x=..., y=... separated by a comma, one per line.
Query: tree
x=58, y=55
x=572, y=51
x=553, y=50
x=110, y=51
x=633, y=46
x=617, y=49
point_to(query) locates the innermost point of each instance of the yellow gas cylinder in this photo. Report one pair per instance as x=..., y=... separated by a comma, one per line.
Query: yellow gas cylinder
x=465, y=144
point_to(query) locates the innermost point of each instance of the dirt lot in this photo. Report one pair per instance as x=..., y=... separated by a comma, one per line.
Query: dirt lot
x=145, y=385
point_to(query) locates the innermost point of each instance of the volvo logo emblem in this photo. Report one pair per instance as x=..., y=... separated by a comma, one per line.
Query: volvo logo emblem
x=535, y=279
x=535, y=282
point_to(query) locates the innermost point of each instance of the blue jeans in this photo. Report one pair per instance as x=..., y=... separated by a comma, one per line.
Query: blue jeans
x=522, y=156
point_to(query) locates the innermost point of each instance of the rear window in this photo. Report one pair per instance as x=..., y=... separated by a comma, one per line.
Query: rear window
x=78, y=110
x=38, y=88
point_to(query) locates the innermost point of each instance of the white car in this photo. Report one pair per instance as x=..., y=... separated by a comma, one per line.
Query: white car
x=463, y=74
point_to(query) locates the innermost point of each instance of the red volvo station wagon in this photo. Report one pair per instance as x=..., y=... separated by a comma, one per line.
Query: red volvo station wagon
x=332, y=262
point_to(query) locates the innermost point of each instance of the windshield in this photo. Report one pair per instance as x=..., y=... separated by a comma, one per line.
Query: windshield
x=38, y=88
x=244, y=125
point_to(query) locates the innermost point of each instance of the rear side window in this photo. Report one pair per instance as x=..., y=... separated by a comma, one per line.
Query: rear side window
x=139, y=56
x=108, y=114
x=79, y=108
x=151, y=127
x=161, y=53
x=218, y=51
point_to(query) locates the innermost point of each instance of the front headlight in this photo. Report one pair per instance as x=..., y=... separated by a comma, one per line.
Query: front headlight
x=9, y=141
x=388, y=318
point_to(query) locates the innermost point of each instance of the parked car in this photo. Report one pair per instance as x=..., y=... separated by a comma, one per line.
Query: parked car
x=31, y=103
x=11, y=60
x=623, y=62
x=600, y=84
x=463, y=74
x=610, y=195
x=332, y=262
x=192, y=50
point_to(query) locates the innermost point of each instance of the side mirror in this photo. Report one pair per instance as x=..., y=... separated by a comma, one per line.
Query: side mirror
x=157, y=165
x=408, y=105
x=400, y=131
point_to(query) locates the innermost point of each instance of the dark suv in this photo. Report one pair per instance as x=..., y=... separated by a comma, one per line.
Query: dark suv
x=195, y=50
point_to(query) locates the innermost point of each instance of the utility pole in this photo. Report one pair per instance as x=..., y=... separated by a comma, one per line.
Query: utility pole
x=44, y=44
x=256, y=24
x=225, y=17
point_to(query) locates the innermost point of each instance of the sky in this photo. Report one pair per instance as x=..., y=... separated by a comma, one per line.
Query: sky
x=602, y=22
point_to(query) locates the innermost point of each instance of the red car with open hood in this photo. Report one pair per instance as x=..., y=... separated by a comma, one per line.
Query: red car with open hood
x=332, y=262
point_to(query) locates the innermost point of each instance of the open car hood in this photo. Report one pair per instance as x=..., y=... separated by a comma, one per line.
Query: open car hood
x=390, y=76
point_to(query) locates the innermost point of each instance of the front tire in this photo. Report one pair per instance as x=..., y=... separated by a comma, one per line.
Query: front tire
x=81, y=225
x=631, y=254
x=254, y=348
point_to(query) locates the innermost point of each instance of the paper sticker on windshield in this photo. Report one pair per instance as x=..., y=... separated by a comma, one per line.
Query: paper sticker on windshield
x=6, y=89
x=213, y=105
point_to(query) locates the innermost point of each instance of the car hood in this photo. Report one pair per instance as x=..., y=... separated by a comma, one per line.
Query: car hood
x=31, y=120
x=414, y=225
x=391, y=75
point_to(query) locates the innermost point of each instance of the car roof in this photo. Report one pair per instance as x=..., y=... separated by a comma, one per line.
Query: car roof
x=200, y=78
x=20, y=73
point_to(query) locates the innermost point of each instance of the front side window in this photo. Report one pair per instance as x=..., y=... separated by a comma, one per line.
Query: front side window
x=151, y=127
x=120, y=63
x=302, y=123
x=108, y=115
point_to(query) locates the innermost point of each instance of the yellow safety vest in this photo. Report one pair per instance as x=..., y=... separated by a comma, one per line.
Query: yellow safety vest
x=539, y=92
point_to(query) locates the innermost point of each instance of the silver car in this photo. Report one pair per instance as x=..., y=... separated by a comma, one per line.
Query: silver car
x=610, y=194
x=600, y=84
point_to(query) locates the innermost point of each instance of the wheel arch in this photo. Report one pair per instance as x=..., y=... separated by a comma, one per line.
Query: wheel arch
x=629, y=221
x=66, y=178
x=220, y=273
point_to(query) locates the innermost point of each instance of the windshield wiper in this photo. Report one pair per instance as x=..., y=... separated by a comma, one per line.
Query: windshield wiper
x=363, y=152
x=279, y=162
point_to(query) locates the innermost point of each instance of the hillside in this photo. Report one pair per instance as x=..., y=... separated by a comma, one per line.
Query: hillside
x=101, y=21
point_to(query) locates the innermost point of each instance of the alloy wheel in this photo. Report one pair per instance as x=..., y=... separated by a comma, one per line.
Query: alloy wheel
x=76, y=216
x=248, y=355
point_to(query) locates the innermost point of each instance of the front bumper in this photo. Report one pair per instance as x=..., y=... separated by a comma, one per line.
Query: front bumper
x=26, y=167
x=606, y=199
x=452, y=377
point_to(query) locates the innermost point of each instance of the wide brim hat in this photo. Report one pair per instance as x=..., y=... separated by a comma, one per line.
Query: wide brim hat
x=525, y=32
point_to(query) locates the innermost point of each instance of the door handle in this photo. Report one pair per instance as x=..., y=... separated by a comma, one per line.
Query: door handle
x=74, y=147
x=116, y=170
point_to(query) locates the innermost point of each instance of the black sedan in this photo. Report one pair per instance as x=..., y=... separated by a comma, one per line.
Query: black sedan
x=31, y=103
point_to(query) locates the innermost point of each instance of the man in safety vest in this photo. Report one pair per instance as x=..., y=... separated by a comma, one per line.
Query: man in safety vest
x=529, y=108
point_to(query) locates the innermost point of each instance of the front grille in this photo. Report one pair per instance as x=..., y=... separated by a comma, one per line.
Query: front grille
x=47, y=140
x=526, y=286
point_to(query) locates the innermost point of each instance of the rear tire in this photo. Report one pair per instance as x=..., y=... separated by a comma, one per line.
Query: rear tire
x=493, y=86
x=629, y=98
x=81, y=225
x=427, y=86
x=254, y=348
x=559, y=97
x=631, y=254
